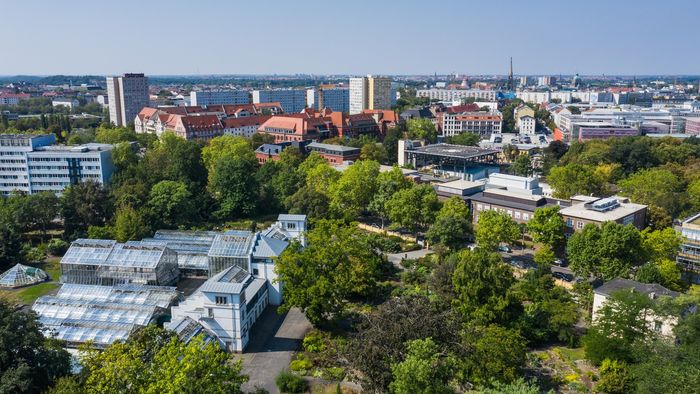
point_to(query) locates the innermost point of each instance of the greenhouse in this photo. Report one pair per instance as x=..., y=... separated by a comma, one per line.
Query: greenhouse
x=22, y=275
x=102, y=314
x=232, y=248
x=106, y=262
x=192, y=248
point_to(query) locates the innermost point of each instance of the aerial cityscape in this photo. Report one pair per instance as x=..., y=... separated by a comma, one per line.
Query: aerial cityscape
x=422, y=203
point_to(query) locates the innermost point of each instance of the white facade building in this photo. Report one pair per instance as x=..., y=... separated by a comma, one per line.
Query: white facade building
x=127, y=95
x=31, y=164
x=482, y=123
x=65, y=102
x=456, y=94
x=370, y=92
x=220, y=97
x=527, y=124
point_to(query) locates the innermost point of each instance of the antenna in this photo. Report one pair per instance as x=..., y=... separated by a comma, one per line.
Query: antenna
x=510, y=85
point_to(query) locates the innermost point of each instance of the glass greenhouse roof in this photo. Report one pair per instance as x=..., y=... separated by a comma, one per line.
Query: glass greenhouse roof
x=103, y=314
x=22, y=275
x=232, y=243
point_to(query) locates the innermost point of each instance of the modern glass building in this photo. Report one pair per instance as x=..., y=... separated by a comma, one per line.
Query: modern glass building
x=689, y=256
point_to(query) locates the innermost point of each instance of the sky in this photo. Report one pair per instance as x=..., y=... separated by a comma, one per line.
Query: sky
x=592, y=37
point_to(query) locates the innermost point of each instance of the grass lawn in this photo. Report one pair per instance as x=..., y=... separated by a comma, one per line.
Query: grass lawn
x=571, y=355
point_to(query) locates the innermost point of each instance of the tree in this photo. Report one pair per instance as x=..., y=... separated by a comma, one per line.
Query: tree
x=154, y=360
x=175, y=159
x=391, y=143
x=421, y=129
x=388, y=183
x=29, y=362
x=336, y=265
x=467, y=139
x=656, y=186
x=235, y=187
x=607, y=252
x=452, y=225
x=482, y=283
x=547, y=226
x=413, y=208
x=615, y=378
x=519, y=386
x=620, y=322
x=10, y=239
x=128, y=225
x=522, y=166
x=424, y=370
x=373, y=151
x=573, y=179
x=510, y=152
x=83, y=205
x=660, y=244
x=489, y=353
x=170, y=204
x=383, y=334
x=308, y=201
x=226, y=146
x=494, y=228
x=355, y=189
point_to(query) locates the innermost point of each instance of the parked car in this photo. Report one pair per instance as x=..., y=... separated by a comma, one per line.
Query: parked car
x=498, y=140
x=504, y=248
x=563, y=276
x=527, y=140
x=559, y=263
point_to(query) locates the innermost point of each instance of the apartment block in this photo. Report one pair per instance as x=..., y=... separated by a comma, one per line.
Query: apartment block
x=220, y=97
x=370, y=93
x=127, y=94
x=291, y=100
x=482, y=123
x=32, y=164
x=335, y=97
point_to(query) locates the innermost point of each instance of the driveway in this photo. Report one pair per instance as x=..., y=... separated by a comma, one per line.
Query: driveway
x=274, y=338
x=396, y=258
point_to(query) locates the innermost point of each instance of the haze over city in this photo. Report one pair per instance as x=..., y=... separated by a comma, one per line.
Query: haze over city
x=359, y=37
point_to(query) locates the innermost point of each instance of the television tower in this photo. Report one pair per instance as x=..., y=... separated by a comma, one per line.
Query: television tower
x=511, y=85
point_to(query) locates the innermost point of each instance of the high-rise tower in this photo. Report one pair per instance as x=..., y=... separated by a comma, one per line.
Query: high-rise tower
x=511, y=85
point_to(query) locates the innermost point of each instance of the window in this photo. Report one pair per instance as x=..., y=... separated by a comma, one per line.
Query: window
x=479, y=207
x=210, y=313
x=510, y=213
x=526, y=216
x=291, y=226
x=579, y=224
x=255, y=272
x=517, y=214
x=221, y=300
x=569, y=222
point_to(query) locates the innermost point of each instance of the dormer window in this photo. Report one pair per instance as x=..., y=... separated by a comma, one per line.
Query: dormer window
x=221, y=300
x=291, y=226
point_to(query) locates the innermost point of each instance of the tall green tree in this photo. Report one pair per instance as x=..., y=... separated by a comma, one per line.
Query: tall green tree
x=235, y=187
x=573, y=179
x=425, y=370
x=413, y=208
x=483, y=286
x=656, y=186
x=29, y=362
x=422, y=129
x=452, y=225
x=83, y=205
x=547, y=227
x=128, y=225
x=388, y=183
x=156, y=361
x=170, y=204
x=351, y=194
x=494, y=228
x=608, y=251
x=336, y=265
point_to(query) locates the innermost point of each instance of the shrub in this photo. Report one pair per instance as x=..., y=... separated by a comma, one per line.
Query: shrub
x=288, y=382
x=57, y=247
x=334, y=373
x=614, y=378
x=34, y=254
x=315, y=342
x=301, y=365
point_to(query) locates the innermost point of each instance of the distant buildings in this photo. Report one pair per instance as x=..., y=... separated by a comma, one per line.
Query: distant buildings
x=31, y=164
x=335, y=154
x=127, y=94
x=482, y=123
x=334, y=97
x=12, y=98
x=688, y=257
x=219, y=97
x=594, y=132
x=69, y=103
x=295, y=128
x=291, y=100
x=369, y=92
x=457, y=94
x=692, y=126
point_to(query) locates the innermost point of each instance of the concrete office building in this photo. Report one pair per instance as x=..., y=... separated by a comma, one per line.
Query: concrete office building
x=32, y=164
x=369, y=93
x=457, y=94
x=334, y=97
x=291, y=100
x=127, y=95
x=596, y=210
x=220, y=97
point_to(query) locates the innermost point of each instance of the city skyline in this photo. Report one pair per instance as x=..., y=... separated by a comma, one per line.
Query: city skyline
x=407, y=38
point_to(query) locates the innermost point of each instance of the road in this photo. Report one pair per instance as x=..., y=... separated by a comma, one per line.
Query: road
x=274, y=339
x=526, y=255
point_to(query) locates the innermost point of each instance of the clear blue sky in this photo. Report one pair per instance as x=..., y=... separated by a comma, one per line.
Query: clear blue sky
x=350, y=37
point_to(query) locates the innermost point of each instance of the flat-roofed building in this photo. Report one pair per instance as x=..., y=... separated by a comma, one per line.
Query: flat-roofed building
x=596, y=210
x=291, y=100
x=482, y=123
x=220, y=97
x=447, y=160
x=128, y=94
x=335, y=154
x=32, y=164
x=519, y=206
x=689, y=255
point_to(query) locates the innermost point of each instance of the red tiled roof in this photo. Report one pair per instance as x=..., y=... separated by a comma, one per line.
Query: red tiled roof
x=201, y=122
x=232, y=123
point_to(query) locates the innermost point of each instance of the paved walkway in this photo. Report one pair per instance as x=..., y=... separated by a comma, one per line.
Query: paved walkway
x=274, y=338
x=395, y=258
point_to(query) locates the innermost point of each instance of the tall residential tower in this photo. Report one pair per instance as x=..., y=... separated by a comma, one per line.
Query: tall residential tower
x=369, y=93
x=127, y=94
